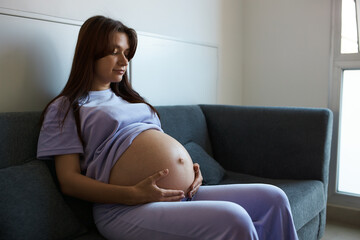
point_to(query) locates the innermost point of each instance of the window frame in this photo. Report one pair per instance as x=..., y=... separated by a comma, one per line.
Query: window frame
x=338, y=63
x=357, y=10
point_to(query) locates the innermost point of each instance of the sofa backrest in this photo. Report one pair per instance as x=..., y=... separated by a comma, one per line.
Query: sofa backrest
x=272, y=142
x=19, y=133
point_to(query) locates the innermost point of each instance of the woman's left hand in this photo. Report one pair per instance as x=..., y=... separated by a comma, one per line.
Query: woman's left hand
x=197, y=181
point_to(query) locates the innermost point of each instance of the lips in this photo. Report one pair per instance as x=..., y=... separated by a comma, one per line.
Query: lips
x=119, y=71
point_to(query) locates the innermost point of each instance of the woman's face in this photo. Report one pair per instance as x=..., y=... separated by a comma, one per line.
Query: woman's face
x=112, y=67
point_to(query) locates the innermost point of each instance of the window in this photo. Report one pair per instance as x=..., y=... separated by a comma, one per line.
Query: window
x=344, y=185
x=349, y=31
x=349, y=134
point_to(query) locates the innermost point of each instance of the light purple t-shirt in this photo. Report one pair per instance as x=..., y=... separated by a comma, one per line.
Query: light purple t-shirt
x=109, y=124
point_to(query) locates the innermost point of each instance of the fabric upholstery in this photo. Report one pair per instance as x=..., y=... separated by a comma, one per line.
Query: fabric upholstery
x=82, y=209
x=211, y=170
x=93, y=234
x=271, y=142
x=185, y=124
x=32, y=207
x=310, y=230
x=306, y=197
x=18, y=137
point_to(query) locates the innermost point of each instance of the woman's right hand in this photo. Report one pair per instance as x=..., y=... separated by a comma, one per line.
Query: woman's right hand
x=147, y=191
x=75, y=184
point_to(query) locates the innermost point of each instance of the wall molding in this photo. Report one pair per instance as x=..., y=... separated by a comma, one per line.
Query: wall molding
x=49, y=18
x=41, y=17
x=38, y=49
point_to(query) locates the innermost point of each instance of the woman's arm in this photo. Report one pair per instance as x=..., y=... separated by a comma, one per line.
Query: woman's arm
x=73, y=183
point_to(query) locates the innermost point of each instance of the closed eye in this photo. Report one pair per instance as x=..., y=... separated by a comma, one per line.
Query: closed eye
x=115, y=52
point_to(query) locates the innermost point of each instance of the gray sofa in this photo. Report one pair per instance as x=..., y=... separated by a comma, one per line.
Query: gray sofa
x=287, y=147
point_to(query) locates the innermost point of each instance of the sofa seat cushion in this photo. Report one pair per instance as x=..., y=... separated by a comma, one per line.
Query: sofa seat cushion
x=32, y=207
x=211, y=170
x=306, y=197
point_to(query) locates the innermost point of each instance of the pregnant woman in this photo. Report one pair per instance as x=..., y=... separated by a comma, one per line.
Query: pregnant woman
x=109, y=149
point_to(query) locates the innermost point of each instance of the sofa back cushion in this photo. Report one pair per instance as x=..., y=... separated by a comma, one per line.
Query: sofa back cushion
x=32, y=207
x=19, y=132
x=211, y=170
x=18, y=137
x=185, y=124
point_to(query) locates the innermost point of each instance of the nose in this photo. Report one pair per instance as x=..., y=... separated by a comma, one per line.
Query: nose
x=122, y=60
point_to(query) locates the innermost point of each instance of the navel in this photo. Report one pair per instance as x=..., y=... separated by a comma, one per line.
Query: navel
x=181, y=161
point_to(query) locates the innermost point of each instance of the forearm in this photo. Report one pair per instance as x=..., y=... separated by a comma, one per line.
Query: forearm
x=74, y=184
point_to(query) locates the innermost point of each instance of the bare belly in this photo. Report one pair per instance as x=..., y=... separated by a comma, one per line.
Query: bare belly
x=150, y=152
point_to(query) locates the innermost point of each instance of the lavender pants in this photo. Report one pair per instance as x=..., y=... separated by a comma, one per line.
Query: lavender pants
x=238, y=211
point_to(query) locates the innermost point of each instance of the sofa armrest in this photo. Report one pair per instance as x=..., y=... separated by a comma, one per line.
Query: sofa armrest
x=271, y=142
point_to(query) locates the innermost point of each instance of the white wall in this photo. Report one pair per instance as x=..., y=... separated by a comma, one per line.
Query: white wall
x=271, y=53
x=35, y=60
x=286, y=52
x=184, y=19
x=231, y=53
x=195, y=21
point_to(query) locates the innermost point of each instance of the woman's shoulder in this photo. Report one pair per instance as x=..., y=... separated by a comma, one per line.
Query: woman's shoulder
x=58, y=108
x=60, y=100
x=59, y=103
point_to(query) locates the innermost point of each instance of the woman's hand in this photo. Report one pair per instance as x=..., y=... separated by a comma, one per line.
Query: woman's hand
x=147, y=190
x=197, y=181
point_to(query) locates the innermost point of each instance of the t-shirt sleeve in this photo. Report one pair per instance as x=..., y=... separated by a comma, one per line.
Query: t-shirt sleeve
x=55, y=139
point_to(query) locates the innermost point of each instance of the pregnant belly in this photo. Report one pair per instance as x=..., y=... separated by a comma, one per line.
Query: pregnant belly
x=150, y=152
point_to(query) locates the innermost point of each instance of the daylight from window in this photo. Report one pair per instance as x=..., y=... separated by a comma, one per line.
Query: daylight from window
x=349, y=147
x=349, y=34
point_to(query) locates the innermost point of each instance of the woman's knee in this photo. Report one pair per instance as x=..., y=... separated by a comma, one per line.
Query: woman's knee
x=274, y=196
x=233, y=222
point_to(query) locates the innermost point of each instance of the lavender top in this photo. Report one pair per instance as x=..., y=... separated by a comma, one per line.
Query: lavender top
x=109, y=124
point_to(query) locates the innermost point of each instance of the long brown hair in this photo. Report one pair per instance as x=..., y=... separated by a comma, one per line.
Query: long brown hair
x=94, y=43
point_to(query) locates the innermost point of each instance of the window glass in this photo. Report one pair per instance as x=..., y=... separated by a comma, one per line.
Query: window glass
x=349, y=30
x=349, y=134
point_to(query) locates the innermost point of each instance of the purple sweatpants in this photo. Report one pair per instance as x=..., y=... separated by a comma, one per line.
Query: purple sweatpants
x=238, y=211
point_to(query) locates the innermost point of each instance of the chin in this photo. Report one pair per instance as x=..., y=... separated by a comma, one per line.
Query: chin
x=117, y=80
